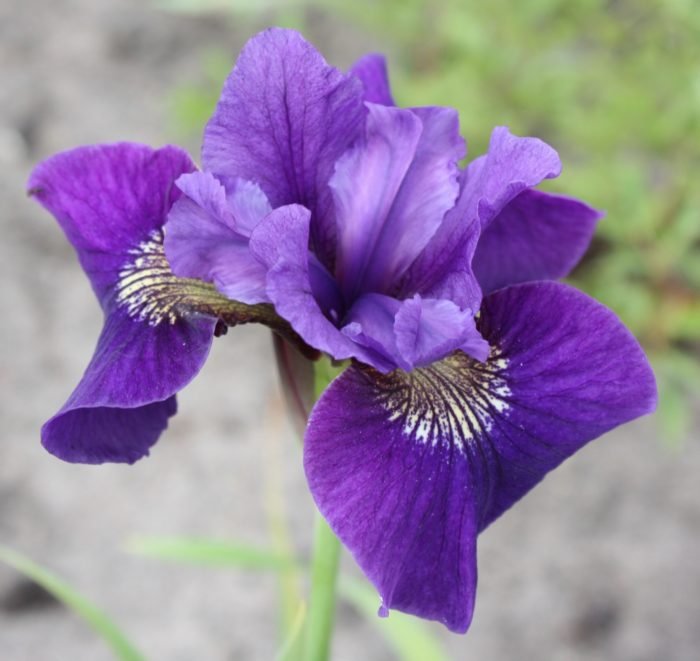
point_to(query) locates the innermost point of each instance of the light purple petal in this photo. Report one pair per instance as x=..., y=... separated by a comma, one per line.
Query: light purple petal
x=283, y=120
x=247, y=203
x=428, y=191
x=107, y=199
x=372, y=71
x=135, y=365
x=537, y=236
x=370, y=322
x=365, y=184
x=281, y=242
x=430, y=329
x=204, y=240
x=414, y=332
x=408, y=468
x=511, y=165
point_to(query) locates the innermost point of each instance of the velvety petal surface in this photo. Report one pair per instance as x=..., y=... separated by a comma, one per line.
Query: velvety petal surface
x=205, y=240
x=372, y=71
x=283, y=120
x=512, y=165
x=537, y=236
x=122, y=402
x=408, y=467
x=107, y=199
x=95, y=435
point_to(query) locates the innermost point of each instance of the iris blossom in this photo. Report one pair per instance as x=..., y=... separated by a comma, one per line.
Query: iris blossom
x=472, y=372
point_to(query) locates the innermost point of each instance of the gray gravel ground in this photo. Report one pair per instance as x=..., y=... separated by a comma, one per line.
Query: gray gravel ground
x=600, y=562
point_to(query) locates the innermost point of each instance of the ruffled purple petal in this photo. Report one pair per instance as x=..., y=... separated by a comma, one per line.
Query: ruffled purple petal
x=391, y=193
x=370, y=322
x=414, y=332
x=123, y=401
x=512, y=164
x=372, y=71
x=281, y=242
x=427, y=193
x=430, y=329
x=408, y=467
x=365, y=185
x=283, y=120
x=205, y=239
x=107, y=199
x=537, y=236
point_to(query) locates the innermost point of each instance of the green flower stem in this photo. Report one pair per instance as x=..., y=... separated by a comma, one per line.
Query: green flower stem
x=324, y=579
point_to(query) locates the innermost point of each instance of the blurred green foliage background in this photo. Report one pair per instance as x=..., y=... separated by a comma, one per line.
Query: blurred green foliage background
x=614, y=85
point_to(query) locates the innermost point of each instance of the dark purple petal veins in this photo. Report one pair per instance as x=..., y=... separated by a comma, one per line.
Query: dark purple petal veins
x=408, y=467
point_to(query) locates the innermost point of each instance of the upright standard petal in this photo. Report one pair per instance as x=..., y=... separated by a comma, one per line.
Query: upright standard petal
x=391, y=193
x=111, y=202
x=283, y=120
x=427, y=193
x=408, y=467
x=372, y=71
x=204, y=239
x=365, y=185
x=512, y=165
x=537, y=236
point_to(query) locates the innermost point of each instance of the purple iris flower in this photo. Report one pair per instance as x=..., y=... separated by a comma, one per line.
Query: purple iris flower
x=473, y=373
x=347, y=224
x=112, y=202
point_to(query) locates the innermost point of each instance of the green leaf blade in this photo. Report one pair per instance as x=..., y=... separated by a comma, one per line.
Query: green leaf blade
x=123, y=649
x=210, y=552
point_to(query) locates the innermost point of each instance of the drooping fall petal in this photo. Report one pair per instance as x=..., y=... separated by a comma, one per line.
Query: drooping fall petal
x=408, y=467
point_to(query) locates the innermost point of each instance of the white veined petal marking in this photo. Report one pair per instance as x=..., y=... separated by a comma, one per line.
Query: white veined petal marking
x=150, y=292
x=453, y=401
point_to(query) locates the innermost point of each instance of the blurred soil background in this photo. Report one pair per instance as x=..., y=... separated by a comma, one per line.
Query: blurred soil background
x=599, y=562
